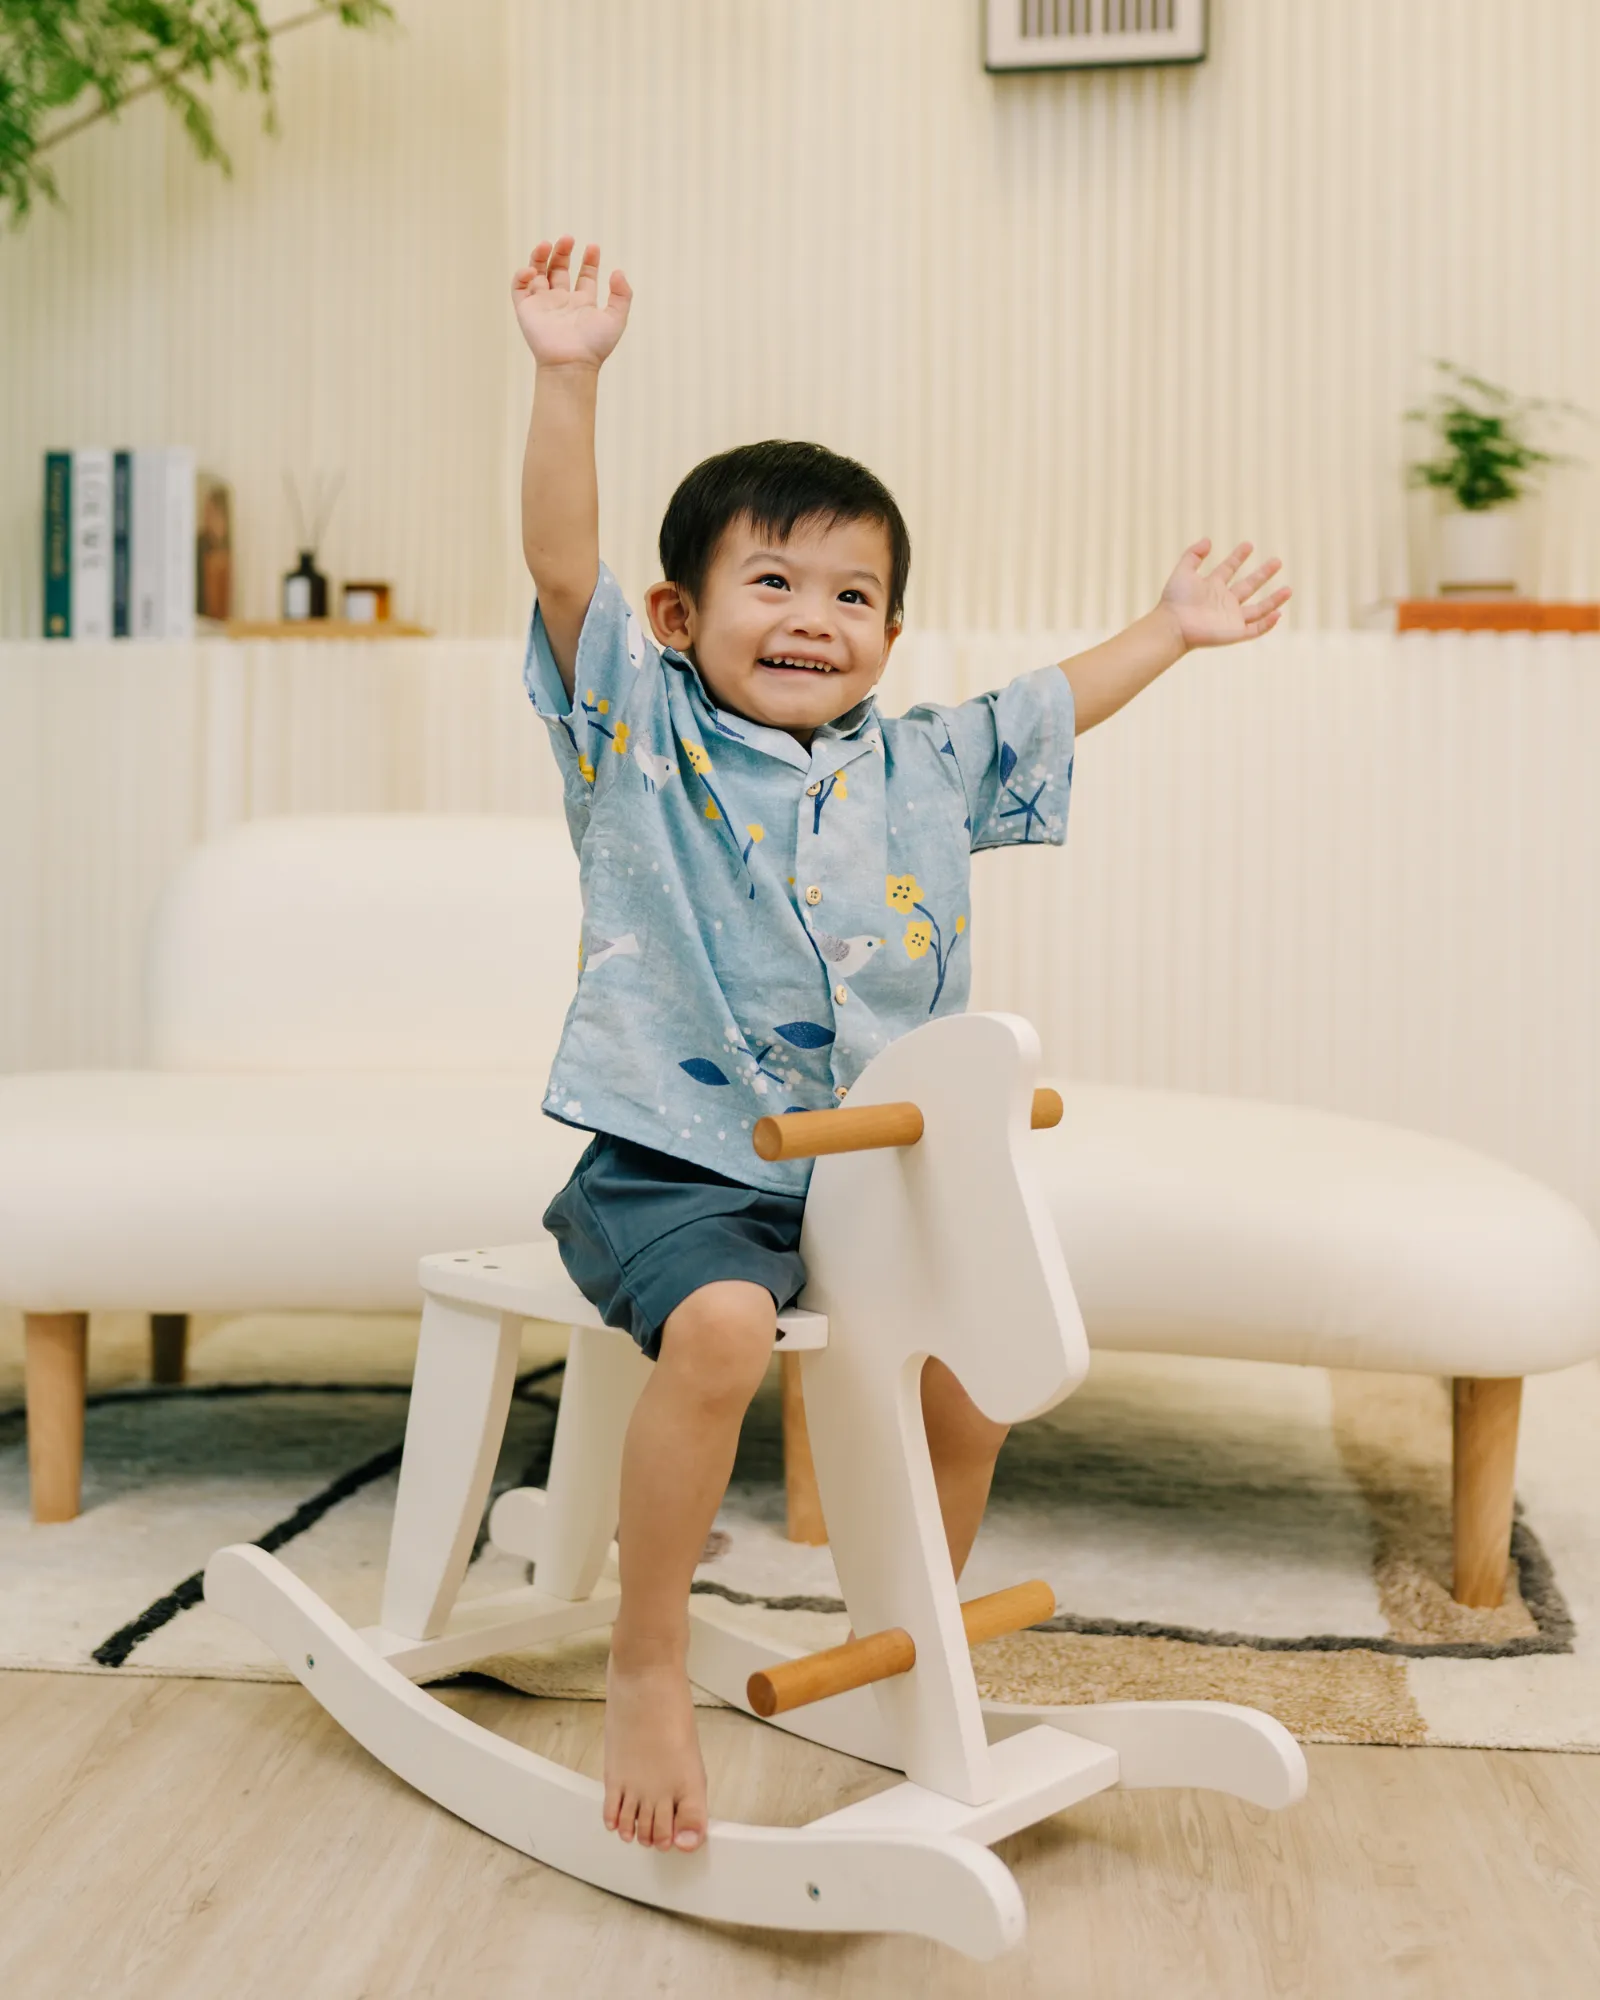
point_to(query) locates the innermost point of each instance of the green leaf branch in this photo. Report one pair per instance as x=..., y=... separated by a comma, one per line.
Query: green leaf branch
x=59, y=54
x=1488, y=458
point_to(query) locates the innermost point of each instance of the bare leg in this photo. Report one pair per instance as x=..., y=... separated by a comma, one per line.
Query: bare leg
x=963, y=1444
x=675, y=1465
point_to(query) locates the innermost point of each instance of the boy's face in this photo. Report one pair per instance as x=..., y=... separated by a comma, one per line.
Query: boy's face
x=792, y=634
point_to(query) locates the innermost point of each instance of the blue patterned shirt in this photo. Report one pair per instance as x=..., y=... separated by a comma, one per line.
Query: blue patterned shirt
x=760, y=918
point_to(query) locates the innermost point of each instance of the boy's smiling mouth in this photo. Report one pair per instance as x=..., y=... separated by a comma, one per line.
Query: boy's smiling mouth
x=794, y=663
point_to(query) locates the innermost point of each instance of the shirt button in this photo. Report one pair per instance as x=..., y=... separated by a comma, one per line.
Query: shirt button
x=841, y=1091
x=812, y=791
x=813, y=895
x=840, y=995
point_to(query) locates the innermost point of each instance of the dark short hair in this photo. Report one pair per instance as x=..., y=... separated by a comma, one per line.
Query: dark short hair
x=776, y=485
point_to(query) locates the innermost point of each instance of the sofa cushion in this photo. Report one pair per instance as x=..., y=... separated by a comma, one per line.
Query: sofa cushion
x=1270, y=1232
x=185, y=1193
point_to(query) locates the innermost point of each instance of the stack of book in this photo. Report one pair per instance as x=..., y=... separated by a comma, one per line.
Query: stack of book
x=136, y=544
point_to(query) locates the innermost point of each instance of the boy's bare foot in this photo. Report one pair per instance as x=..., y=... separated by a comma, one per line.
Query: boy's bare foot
x=655, y=1781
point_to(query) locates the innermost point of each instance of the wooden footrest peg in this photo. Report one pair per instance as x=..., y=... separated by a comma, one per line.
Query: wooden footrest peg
x=882, y=1655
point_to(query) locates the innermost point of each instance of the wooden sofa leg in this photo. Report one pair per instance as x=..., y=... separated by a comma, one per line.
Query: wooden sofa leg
x=799, y=1473
x=56, y=1365
x=169, y=1347
x=1485, y=1443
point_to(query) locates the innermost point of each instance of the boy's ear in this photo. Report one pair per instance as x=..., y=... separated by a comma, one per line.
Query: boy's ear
x=668, y=610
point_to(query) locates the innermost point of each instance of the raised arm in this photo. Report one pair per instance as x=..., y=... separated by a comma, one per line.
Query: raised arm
x=1196, y=609
x=569, y=333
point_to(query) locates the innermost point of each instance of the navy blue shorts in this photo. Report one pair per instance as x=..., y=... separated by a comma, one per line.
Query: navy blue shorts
x=640, y=1230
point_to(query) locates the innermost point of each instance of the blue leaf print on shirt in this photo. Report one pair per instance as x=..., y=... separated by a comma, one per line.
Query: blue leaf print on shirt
x=805, y=1034
x=703, y=1071
x=1008, y=761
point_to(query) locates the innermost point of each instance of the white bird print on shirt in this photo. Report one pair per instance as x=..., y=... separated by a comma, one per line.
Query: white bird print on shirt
x=845, y=956
x=600, y=949
x=657, y=770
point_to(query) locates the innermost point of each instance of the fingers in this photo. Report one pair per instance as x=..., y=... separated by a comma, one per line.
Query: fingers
x=1259, y=618
x=559, y=271
x=549, y=268
x=1231, y=563
x=1248, y=586
x=1195, y=554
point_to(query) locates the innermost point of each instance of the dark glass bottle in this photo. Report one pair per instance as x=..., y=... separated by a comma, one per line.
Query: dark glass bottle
x=305, y=591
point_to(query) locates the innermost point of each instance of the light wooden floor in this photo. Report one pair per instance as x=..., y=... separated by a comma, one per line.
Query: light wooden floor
x=200, y=1840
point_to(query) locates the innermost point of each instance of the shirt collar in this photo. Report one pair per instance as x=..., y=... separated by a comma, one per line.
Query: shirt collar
x=827, y=740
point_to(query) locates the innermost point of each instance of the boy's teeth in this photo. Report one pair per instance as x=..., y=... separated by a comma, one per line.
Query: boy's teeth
x=816, y=666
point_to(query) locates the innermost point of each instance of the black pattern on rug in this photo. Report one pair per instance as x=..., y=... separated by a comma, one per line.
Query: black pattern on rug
x=760, y=1456
x=115, y=1651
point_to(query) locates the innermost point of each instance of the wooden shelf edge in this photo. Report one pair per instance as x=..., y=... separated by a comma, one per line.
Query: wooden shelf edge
x=1493, y=614
x=322, y=628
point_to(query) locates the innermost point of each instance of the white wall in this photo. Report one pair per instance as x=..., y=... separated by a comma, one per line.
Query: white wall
x=1072, y=319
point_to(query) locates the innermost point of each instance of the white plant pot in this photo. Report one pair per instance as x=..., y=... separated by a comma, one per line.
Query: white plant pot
x=1480, y=550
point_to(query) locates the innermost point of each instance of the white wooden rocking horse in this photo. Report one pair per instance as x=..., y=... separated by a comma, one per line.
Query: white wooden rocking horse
x=924, y=1235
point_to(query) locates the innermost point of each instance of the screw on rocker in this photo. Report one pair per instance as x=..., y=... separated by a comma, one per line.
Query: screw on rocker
x=924, y=1234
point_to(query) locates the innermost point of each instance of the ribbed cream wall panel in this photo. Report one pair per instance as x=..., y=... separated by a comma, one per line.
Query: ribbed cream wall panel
x=1073, y=319
x=1076, y=319
x=1339, y=870
x=339, y=303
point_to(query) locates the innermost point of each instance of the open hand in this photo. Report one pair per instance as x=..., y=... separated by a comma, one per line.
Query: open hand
x=563, y=322
x=1213, y=609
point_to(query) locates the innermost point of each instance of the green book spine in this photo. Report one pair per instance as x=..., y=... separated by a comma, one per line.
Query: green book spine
x=122, y=545
x=58, y=545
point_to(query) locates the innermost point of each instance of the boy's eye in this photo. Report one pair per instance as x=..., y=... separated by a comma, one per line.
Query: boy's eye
x=853, y=596
x=778, y=582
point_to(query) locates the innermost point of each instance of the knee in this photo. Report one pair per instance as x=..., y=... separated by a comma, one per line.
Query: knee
x=719, y=1341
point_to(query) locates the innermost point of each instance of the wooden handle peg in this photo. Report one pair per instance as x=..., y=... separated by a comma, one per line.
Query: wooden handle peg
x=882, y=1655
x=802, y=1135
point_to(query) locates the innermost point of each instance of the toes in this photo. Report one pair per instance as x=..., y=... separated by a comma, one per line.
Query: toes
x=691, y=1827
x=664, y=1824
x=611, y=1811
x=627, y=1815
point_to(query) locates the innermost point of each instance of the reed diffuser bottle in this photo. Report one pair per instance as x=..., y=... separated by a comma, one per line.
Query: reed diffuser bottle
x=305, y=588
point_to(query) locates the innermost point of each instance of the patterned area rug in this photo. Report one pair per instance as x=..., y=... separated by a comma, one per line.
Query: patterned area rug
x=1276, y=1536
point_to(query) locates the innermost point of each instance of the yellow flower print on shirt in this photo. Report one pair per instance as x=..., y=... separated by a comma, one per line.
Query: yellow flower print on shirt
x=711, y=809
x=756, y=832
x=586, y=767
x=619, y=740
x=698, y=758
x=924, y=933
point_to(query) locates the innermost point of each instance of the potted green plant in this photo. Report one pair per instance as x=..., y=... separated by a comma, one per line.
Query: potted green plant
x=1486, y=463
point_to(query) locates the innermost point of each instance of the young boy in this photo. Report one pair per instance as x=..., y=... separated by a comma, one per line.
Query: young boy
x=775, y=886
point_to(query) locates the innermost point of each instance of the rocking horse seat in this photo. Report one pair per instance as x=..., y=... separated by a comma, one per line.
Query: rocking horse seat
x=530, y=1280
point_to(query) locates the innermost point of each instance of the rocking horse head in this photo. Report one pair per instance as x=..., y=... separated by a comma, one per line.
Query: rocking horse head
x=925, y=1230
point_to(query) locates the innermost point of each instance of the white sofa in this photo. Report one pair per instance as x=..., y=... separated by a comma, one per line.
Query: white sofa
x=350, y=1022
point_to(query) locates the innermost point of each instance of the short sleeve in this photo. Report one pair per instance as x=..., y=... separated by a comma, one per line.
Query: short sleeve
x=1014, y=750
x=617, y=677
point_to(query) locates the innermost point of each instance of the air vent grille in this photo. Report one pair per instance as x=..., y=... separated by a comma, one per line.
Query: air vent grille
x=1089, y=34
